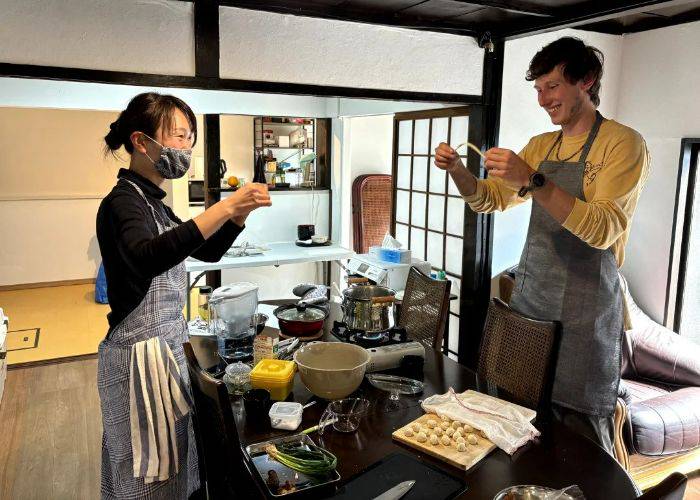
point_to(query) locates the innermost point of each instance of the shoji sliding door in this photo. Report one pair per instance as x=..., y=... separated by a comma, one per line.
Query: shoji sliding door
x=430, y=217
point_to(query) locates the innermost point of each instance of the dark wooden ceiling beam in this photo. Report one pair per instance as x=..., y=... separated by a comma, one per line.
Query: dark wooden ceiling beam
x=516, y=6
x=301, y=8
x=592, y=12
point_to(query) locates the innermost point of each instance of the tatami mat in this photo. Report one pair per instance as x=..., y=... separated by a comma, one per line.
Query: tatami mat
x=53, y=322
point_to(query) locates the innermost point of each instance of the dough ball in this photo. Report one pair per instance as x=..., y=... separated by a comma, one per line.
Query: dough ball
x=461, y=447
x=450, y=431
x=446, y=440
x=482, y=434
x=455, y=425
x=471, y=439
x=438, y=431
x=445, y=425
x=468, y=428
x=408, y=433
x=431, y=423
x=421, y=437
x=416, y=427
x=456, y=435
x=434, y=440
x=460, y=440
x=445, y=418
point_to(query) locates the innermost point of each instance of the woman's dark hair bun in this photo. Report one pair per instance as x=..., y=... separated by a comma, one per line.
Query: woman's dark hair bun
x=113, y=139
x=146, y=113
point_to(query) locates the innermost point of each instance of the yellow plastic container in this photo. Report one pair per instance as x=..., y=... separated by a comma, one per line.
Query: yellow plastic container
x=275, y=376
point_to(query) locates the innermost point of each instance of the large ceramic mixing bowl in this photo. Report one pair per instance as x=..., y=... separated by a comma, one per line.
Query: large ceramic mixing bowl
x=331, y=370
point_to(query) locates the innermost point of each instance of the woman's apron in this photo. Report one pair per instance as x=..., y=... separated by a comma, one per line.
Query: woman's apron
x=158, y=315
x=560, y=277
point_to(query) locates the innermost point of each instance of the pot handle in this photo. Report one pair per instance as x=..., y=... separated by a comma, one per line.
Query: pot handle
x=355, y=281
x=383, y=300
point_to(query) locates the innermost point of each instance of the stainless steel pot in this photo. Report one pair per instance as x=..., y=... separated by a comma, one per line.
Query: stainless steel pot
x=368, y=308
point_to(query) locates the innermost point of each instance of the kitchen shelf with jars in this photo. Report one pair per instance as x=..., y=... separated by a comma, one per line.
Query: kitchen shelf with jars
x=291, y=152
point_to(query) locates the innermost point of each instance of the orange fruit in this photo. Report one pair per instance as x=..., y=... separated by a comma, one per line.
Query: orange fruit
x=232, y=181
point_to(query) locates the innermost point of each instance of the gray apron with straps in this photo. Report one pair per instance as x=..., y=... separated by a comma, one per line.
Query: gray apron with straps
x=159, y=314
x=562, y=278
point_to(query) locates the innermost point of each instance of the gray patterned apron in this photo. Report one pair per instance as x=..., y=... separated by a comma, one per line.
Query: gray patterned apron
x=562, y=278
x=159, y=314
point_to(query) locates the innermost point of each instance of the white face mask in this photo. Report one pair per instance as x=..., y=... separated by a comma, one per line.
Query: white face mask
x=173, y=163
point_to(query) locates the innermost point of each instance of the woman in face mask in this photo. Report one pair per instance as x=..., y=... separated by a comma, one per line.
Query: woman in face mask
x=148, y=448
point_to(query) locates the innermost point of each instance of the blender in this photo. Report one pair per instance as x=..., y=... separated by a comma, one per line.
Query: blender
x=231, y=309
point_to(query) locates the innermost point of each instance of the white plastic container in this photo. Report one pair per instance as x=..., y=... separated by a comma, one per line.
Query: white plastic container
x=286, y=416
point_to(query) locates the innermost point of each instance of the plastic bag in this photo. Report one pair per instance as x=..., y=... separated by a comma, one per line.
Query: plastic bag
x=101, y=286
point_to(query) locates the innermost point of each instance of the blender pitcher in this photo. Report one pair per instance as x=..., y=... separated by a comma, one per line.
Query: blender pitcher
x=231, y=308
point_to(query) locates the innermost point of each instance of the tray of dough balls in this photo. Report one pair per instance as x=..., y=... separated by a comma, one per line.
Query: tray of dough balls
x=454, y=442
x=462, y=441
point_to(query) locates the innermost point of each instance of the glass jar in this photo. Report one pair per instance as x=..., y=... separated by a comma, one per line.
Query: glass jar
x=237, y=378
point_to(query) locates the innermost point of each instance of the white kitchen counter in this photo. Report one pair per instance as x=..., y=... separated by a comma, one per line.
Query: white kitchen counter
x=279, y=254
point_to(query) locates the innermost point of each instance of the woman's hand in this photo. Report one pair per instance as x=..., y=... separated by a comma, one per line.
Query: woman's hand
x=508, y=166
x=246, y=199
x=447, y=158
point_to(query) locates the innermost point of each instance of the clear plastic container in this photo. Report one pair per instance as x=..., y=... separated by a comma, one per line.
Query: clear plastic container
x=286, y=416
x=275, y=376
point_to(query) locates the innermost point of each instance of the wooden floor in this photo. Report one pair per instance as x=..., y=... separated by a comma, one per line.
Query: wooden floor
x=50, y=434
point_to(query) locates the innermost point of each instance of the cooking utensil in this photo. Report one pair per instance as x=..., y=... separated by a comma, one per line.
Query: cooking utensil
x=331, y=370
x=347, y=414
x=368, y=308
x=300, y=320
x=222, y=169
x=397, y=491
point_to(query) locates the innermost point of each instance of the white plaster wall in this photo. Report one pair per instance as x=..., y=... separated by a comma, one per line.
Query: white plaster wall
x=372, y=107
x=368, y=146
x=289, y=48
x=658, y=98
x=522, y=118
x=146, y=36
x=48, y=240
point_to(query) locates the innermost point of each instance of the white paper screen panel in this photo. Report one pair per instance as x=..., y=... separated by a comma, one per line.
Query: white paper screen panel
x=405, y=137
x=418, y=210
x=436, y=212
x=403, y=172
x=420, y=173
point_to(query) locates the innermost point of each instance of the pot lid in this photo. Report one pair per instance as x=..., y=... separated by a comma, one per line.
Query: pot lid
x=306, y=315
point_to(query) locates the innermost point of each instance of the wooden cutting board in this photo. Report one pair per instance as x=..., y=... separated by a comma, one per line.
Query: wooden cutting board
x=461, y=459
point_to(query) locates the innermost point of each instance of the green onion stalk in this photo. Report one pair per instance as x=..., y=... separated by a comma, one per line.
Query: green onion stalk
x=315, y=461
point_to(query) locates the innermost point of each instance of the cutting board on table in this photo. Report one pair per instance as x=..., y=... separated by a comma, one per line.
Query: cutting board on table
x=462, y=459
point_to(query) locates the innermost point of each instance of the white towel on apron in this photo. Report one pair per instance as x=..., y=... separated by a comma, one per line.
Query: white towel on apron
x=157, y=399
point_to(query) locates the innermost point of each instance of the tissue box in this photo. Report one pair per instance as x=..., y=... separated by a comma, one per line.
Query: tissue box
x=396, y=256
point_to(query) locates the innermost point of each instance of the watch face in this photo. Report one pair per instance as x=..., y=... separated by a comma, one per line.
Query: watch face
x=538, y=180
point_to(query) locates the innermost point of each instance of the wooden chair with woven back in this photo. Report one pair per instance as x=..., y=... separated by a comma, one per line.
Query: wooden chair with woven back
x=221, y=457
x=425, y=308
x=518, y=355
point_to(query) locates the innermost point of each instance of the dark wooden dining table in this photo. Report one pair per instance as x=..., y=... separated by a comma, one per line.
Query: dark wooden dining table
x=557, y=459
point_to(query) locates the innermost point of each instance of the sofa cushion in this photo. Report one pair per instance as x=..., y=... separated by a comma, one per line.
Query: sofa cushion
x=666, y=424
x=633, y=391
x=653, y=352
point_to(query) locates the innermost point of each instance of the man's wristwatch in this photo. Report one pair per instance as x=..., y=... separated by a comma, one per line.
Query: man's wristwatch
x=537, y=180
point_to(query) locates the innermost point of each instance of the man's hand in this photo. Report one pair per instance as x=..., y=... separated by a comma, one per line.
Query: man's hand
x=508, y=166
x=447, y=158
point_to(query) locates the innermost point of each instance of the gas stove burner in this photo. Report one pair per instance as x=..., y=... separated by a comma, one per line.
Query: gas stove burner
x=395, y=335
x=370, y=336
